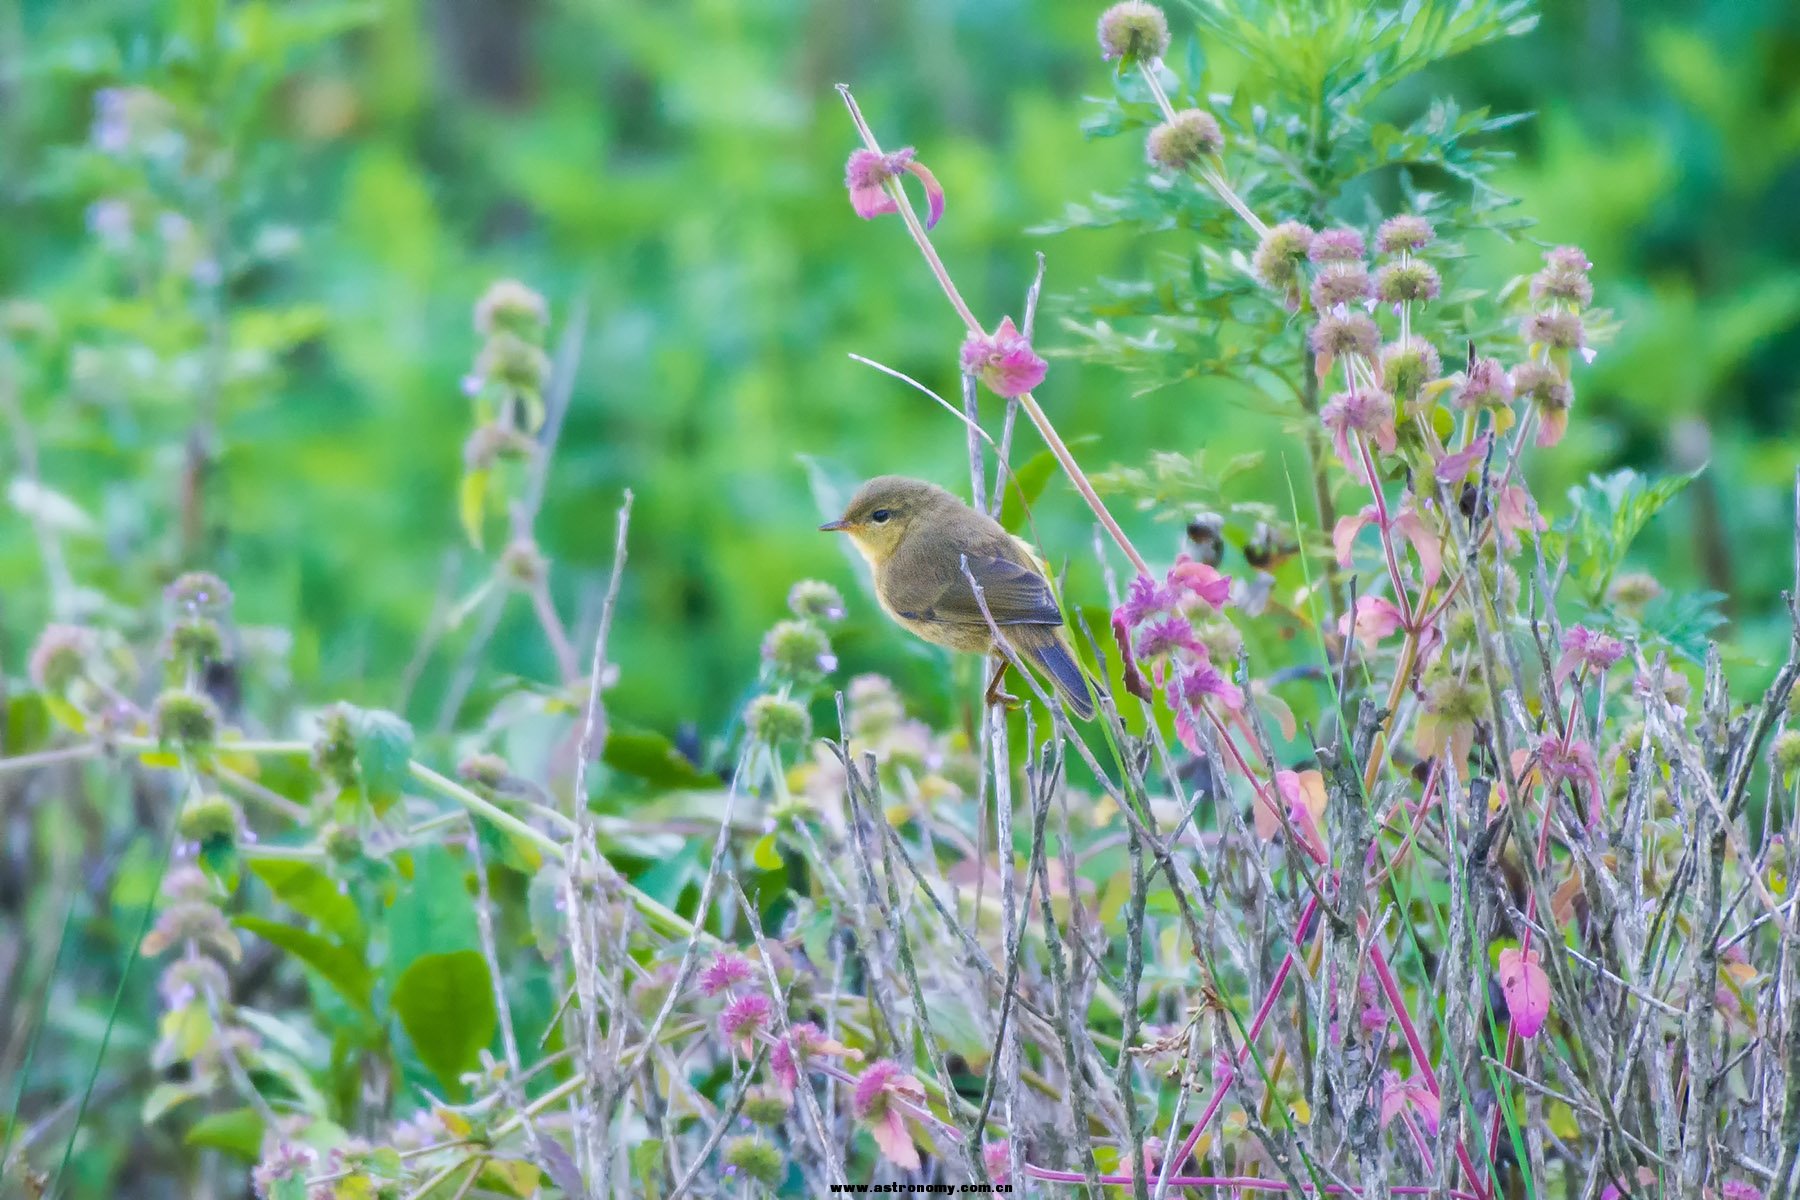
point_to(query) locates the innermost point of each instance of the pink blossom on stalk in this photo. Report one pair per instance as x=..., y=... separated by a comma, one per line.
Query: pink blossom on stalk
x=1161, y=637
x=1200, y=579
x=725, y=972
x=1189, y=690
x=1144, y=598
x=877, y=1089
x=1584, y=648
x=997, y=1157
x=1003, y=360
x=1397, y=1095
x=1526, y=988
x=1376, y=618
x=1364, y=411
x=1737, y=1189
x=791, y=1053
x=1564, y=759
x=868, y=173
x=744, y=1018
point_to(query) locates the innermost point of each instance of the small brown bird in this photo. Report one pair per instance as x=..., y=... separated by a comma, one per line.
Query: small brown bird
x=917, y=538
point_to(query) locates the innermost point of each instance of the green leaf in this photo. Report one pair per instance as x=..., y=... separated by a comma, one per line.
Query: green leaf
x=512, y=1176
x=764, y=854
x=165, y=1096
x=312, y=893
x=340, y=966
x=446, y=1004
x=27, y=724
x=383, y=749
x=434, y=914
x=1023, y=487
x=238, y=1132
x=653, y=758
x=219, y=859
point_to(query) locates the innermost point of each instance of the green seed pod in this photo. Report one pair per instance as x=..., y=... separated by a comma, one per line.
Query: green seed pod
x=755, y=1158
x=210, y=817
x=184, y=719
x=777, y=721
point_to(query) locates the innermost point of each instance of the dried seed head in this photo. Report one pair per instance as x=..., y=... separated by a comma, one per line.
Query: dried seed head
x=198, y=592
x=777, y=721
x=1185, y=141
x=61, y=656
x=1407, y=283
x=1340, y=284
x=1408, y=366
x=1542, y=385
x=798, y=651
x=508, y=306
x=511, y=360
x=184, y=719
x=1354, y=333
x=1785, y=754
x=1133, y=32
x=816, y=599
x=1279, y=255
x=1337, y=245
x=1405, y=232
x=209, y=817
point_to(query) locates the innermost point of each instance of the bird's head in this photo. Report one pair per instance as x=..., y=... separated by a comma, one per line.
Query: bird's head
x=885, y=509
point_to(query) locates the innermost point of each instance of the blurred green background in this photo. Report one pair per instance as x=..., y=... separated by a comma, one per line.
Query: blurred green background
x=679, y=166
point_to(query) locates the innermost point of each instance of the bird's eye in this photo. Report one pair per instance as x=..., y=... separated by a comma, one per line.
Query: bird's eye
x=880, y=516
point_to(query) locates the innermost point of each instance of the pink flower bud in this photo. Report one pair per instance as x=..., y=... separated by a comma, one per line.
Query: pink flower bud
x=1004, y=361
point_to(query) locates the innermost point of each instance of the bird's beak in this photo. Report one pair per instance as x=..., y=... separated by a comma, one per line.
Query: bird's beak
x=836, y=526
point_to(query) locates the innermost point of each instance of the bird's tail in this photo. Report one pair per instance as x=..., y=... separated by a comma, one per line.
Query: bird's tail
x=1051, y=651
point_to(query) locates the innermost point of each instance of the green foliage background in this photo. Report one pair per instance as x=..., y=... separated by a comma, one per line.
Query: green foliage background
x=675, y=169
x=679, y=165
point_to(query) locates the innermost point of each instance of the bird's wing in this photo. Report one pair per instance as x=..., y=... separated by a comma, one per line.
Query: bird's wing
x=1015, y=595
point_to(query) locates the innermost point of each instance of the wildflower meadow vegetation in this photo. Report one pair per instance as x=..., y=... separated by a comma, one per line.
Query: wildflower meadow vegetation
x=1424, y=843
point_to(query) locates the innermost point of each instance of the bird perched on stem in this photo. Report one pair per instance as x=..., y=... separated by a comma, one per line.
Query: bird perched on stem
x=924, y=546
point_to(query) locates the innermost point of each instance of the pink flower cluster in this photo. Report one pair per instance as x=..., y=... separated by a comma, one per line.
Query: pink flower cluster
x=1154, y=625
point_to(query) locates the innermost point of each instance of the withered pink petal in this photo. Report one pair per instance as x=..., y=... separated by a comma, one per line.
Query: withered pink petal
x=895, y=1142
x=1343, y=536
x=934, y=193
x=1454, y=467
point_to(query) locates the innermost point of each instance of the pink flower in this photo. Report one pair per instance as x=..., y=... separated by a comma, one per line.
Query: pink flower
x=1200, y=579
x=1163, y=636
x=1188, y=691
x=1376, y=618
x=1571, y=760
x=1484, y=385
x=877, y=1089
x=744, y=1018
x=1143, y=599
x=1004, y=361
x=791, y=1053
x=1737, y=1189
x=1362, y=411
x=997, y=1157
x=1397, y=1096
x=1584, y=649
x=725, y=972
x=1526, y=988
x=867, y=175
